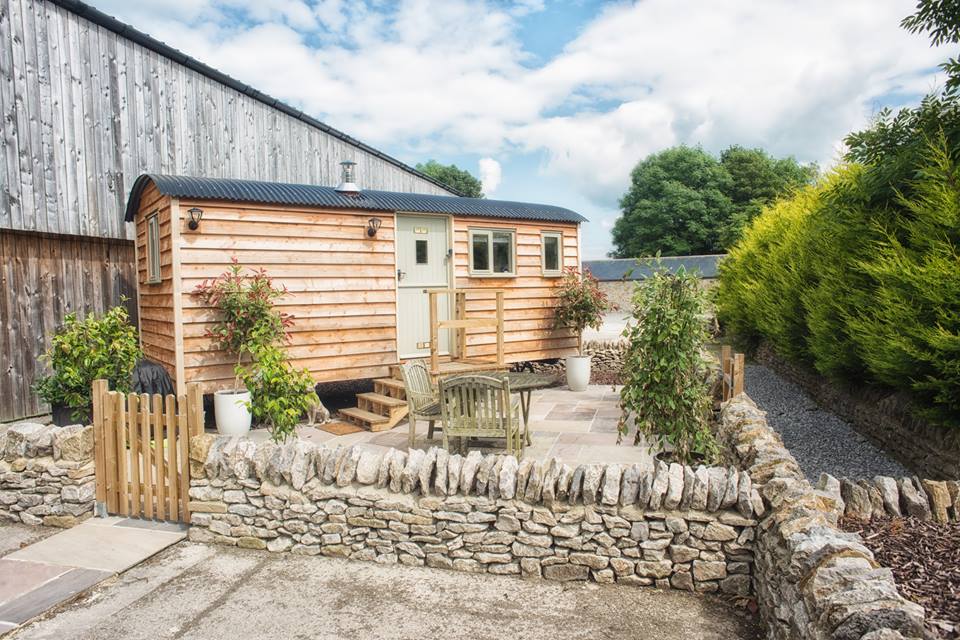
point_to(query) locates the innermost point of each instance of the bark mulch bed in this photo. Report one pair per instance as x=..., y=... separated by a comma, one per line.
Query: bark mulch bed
x=925, y=560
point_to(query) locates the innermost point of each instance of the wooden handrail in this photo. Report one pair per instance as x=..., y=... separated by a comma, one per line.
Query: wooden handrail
x=466, y=290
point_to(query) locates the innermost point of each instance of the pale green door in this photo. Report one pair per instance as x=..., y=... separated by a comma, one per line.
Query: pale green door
x=422, y=263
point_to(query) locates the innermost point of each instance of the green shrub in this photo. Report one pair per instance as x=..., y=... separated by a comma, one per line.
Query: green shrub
x=85, y=350
x=665, y=374
x=908, y=330
x=862, y=289
x=279, y=394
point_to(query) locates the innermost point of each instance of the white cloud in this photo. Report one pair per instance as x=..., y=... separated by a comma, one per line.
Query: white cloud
x=490, y=174
x=453, y=77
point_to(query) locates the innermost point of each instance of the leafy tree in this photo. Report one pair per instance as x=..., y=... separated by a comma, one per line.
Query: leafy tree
x=941, y=20
x=677, y=198
x=757, y=180
x=896, y=143
x=460, y=180
x=684, y=201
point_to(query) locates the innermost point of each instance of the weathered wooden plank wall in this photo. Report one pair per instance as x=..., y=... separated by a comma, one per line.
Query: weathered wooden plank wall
x=85, y=111
x=42, y=278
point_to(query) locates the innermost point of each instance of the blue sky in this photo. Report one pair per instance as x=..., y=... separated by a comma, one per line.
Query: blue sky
x=555, y=102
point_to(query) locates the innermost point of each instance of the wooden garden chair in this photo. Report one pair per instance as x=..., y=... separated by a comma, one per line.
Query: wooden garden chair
x=422, y=400
x=480, y=406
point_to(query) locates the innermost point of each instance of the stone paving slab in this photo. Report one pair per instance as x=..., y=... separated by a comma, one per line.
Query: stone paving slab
x=38, y=600
x=556, y=414
x=20, y=576
x=100, y=545
x=57, y=568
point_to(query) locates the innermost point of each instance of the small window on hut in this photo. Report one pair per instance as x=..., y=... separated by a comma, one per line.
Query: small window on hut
x=153, y=248
x=492, y=252
x=552, y=248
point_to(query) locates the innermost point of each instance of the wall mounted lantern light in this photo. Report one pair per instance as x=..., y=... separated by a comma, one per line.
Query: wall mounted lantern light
x=196, y=215
x=373, y=225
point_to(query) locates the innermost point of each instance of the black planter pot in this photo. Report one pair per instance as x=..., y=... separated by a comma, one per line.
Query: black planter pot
x=62, y=415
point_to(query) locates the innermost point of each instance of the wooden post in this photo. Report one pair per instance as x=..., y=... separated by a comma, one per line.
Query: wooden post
x=183, y=442
x=158, y=461
x=499, y=328
x=725, y=362
x=99, y=389
x=195, y=409
x=738, y=374
x=434, y=342
x=146, y=428
x=110, y=448
x=173, y=486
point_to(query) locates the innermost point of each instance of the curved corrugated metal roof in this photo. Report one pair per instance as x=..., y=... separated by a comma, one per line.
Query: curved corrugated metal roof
x=630, y=269
x=305, y=195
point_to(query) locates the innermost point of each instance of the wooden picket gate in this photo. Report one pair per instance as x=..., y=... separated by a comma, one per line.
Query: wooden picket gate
x=732, y=364
x=142, y=451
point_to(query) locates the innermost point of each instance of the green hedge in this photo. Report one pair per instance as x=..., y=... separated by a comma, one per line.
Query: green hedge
x=862, y=290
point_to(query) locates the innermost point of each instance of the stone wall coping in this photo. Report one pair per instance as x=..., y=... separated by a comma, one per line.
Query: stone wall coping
x=657, y=487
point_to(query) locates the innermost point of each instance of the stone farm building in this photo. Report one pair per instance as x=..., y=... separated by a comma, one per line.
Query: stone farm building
x=617, y=275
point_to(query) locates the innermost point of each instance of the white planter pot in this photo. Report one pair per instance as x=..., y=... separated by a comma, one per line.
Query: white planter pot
x=230, y=409
x=578, y=372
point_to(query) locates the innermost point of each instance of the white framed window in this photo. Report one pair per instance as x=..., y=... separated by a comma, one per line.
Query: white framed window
x=551, y=253
x=153, y=248
x=493, y=252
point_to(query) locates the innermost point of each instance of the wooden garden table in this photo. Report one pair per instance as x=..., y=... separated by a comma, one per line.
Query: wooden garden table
x=525, y=383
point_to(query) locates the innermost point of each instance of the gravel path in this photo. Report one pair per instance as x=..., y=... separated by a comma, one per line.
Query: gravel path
x=818, y=439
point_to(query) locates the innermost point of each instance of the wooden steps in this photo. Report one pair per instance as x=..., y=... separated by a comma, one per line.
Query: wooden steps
x=389, y=387
x=381, y=409
x=366, y=419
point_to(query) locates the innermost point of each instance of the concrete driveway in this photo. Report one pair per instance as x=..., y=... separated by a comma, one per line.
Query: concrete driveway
x=199, y=591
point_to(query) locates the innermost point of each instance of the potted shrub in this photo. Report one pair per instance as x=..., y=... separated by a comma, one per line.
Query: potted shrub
x=247, y=323
x=82, y=351
x=581, y=304
x=280, y=394
x=666, y=389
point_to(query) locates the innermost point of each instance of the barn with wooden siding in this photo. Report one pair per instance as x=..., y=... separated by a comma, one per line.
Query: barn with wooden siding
x=89, y=104
x=358, y=299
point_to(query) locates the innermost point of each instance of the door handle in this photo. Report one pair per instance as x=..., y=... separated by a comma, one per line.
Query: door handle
x=401, y=274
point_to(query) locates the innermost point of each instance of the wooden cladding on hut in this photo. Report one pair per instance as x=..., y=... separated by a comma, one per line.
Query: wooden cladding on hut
x=343, y=283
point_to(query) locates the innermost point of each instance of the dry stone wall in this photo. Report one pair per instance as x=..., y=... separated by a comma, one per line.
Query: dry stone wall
x=884, y=496
x=669, y=526
x=812, y=580
x=47, y=474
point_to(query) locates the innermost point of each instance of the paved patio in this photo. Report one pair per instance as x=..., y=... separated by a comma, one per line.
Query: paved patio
x=575, y=427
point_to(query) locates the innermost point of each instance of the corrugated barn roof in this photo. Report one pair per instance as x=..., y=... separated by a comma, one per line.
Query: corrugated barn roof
x=304, y=195
x=629, y=269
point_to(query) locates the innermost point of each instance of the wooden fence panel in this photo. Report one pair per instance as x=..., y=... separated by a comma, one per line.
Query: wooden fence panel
x=142, y=452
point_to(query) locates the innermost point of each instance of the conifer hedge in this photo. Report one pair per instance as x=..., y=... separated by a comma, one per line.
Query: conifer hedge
x=862, y=287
